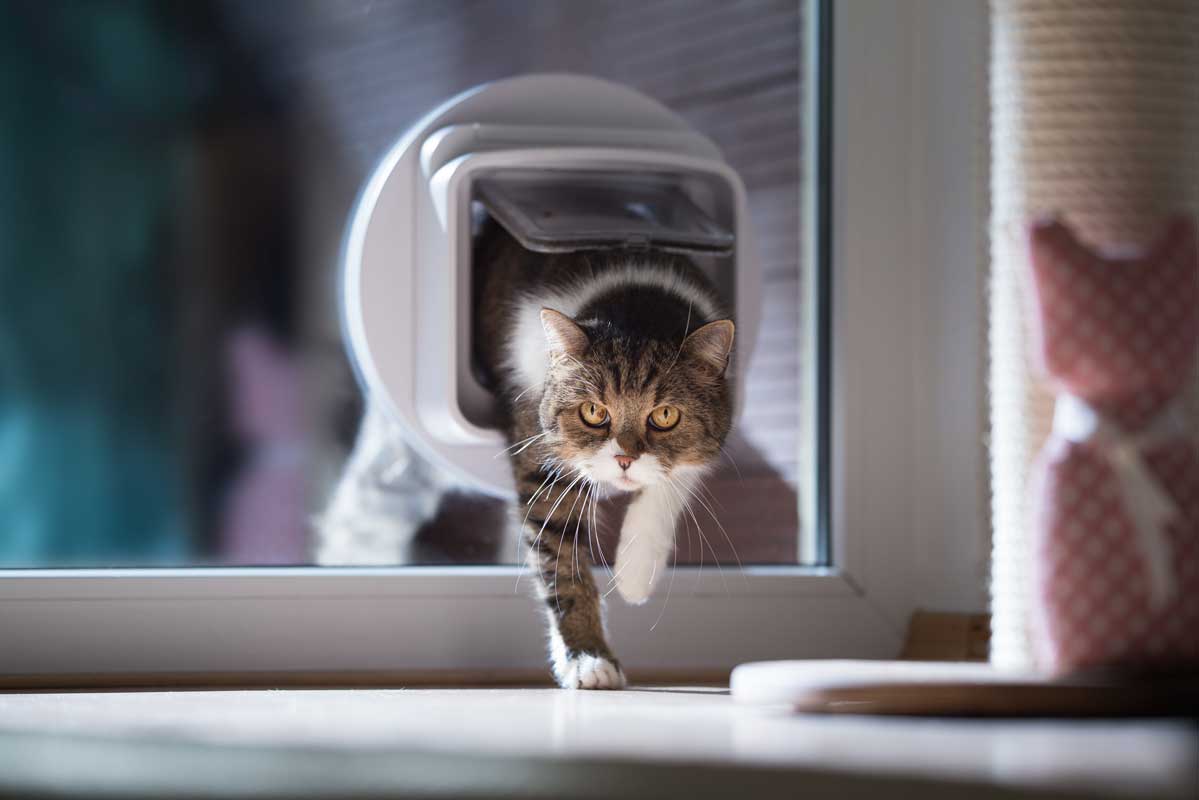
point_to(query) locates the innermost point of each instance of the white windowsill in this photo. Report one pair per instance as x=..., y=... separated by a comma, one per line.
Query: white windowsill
x=658, y=741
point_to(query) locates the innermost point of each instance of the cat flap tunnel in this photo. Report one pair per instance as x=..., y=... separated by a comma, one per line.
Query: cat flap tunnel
x=563, y=163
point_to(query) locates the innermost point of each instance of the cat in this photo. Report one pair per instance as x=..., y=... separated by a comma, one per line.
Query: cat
x=611, y=373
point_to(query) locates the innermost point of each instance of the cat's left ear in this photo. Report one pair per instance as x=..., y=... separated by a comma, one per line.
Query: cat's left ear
x=563, y=334
x=711, y=344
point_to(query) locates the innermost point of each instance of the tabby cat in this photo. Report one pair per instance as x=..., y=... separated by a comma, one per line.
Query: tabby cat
x=611, y=370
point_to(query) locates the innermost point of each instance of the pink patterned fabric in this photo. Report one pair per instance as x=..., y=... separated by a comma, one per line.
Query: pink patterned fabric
x=1119, y=335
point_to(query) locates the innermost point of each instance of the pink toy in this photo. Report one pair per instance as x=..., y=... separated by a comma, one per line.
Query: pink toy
x=1117, y=486
x=264, y=515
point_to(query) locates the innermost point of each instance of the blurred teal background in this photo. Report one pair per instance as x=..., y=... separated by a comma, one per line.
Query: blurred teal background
x=104, y=108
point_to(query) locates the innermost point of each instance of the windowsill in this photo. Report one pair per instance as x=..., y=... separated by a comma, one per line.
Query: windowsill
x=685, y=741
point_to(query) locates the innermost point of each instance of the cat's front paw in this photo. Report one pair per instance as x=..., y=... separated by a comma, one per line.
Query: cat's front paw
x=586, y=671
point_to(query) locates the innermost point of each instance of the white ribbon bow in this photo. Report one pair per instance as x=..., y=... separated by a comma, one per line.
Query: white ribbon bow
x=1147, y=503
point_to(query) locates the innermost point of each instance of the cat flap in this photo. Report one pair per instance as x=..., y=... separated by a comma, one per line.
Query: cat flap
x=561, y=211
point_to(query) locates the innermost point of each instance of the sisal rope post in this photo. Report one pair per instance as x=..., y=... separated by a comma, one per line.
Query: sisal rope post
x=1095, y=118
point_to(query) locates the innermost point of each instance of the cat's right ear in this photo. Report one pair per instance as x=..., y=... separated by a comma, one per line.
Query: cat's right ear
x=711, y=344
x=563, y=334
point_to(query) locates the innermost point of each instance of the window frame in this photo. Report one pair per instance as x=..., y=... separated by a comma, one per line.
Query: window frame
x=906, y=504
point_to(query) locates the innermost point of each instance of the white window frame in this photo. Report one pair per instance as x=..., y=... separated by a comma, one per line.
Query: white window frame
x=908, y=510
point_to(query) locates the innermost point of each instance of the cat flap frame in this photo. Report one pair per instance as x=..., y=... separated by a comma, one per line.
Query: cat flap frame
x=406, y=261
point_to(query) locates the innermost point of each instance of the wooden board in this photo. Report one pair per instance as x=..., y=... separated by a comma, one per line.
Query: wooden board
x=955, y=689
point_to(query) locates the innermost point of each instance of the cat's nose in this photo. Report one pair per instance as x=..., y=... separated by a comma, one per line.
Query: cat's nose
x=625, y=461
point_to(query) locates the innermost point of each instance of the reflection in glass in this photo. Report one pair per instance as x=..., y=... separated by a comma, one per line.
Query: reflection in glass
x=174, y=179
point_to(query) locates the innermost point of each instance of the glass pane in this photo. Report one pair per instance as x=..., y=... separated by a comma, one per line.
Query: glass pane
x=175, y=181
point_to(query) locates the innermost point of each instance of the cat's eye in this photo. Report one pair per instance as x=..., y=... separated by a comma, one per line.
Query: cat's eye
x=593, y=414
x=664, y=417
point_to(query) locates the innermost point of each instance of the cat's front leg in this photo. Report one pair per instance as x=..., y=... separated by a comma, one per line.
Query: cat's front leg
x=647, y=537
x=579, y=652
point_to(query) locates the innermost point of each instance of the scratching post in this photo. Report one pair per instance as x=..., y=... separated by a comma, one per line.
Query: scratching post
x=1095, y=119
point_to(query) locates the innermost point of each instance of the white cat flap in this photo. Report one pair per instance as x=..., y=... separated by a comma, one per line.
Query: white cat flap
x=563, y=162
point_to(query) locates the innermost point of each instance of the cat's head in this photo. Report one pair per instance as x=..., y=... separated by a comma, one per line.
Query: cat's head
x=631, y=413
x=1119, y=331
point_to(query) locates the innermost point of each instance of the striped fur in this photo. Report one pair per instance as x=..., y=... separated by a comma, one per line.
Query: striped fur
x=639, y=333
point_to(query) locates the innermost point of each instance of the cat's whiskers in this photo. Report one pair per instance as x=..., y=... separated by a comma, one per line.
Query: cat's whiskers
x=679, y=352
x=578, y=495
x=725, y=452
x=555, y=473
x=616, y=574
x=548, y=478
x=673, y=563
x=699, y=498
x=549, y=493
x=597, y=523
x=698, y=528
x=686, y=526
x=585, y=383
x=593, y=525
x=674, y=560
x=588, y=371
x=619, y=569
x=712, y=497
x=589, y=487
x=583, y=515
x=687, y=530
x=527, y=389
x=553, y=477
x=526, y=442
x=561, y=539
